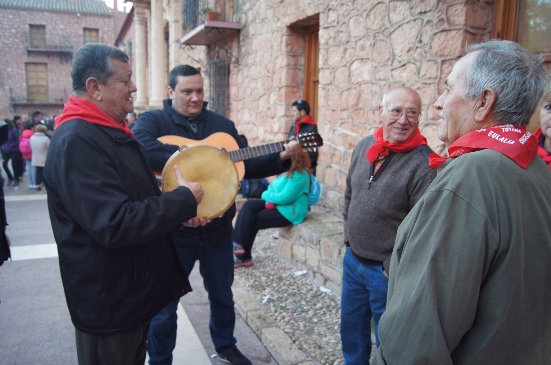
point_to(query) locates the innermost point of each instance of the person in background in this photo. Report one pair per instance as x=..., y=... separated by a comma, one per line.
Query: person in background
x=185, y=114
x=543, y=133
x=470, y=273
x=10, y=151
x=5, y=252
x=110, y=220
x=284, y=203
x=39, y=146
x=18, y=121
x=131, y=119
x=304, y=123
x=388, y=174
x=27, y=152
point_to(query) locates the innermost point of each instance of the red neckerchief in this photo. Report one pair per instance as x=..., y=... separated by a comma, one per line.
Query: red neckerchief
x=306, y=120
x=78, y=108
x=510, y=140
x=382, y=147
x=538, y=134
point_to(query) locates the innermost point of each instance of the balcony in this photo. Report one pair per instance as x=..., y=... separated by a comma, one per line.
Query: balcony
x=204, y=24
x=22, y=101
x=40, y=45
x=210, y=32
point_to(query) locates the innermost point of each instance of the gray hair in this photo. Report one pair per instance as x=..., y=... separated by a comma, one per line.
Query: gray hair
x=516, y=75
x=94, y=60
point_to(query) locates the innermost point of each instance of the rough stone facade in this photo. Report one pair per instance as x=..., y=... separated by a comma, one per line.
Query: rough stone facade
x=64, y=33
x=365, y=48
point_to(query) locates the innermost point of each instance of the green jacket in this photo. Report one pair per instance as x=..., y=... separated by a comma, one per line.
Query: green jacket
x=470, y=279
x=290, y=195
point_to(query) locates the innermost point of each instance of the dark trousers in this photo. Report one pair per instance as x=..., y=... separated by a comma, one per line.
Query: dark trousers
x=17, y=164
x=253, y=217
x=39, y=172
x=119, y=349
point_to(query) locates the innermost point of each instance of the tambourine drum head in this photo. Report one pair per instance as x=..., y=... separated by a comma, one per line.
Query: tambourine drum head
x=213, y=169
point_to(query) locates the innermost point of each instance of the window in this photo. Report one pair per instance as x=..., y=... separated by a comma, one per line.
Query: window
x=37, y=36
x=527, y=22
x=190, y=10
x=91, y=35
x=37, y=81
x=219, y=83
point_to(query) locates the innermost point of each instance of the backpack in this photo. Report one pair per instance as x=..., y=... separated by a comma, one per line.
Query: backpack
x=25, y=146
x=253, y=188
x=316, y=189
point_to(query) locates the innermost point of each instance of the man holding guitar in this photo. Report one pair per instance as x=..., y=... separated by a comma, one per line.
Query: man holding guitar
x=185, y=114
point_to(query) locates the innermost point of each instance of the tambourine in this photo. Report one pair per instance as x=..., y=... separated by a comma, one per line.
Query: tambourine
x=213, y=169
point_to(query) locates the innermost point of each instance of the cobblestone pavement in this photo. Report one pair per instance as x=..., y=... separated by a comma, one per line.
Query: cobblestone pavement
x=307, y=313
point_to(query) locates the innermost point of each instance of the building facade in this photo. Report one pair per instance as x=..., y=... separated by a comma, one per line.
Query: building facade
x=38, y=40
x=340, y=55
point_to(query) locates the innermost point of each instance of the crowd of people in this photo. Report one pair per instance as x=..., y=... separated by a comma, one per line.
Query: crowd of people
x=447, y=256
x=25, y=149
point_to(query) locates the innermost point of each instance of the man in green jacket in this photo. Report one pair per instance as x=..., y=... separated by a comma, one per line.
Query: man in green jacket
x=470, y=274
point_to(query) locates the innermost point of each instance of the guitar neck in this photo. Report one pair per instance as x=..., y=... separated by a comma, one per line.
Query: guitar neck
x=256, y=151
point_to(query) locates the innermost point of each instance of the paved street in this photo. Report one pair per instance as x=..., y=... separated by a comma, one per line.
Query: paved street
x=35, y=326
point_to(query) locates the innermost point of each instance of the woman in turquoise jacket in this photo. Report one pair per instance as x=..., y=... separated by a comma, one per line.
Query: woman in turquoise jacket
x=284, y=203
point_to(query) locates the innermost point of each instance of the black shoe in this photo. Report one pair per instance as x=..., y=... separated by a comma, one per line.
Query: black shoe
x=234, y=358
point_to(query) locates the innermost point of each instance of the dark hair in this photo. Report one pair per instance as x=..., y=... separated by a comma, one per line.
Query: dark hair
x=244, y=140
x=10, y=123
x=94, y=60
x=301, y=104
x=181, y=70
x=16, y=118
x=29, y=124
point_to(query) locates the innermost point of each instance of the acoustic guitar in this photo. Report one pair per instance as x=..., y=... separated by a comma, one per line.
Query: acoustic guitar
x=217, y=164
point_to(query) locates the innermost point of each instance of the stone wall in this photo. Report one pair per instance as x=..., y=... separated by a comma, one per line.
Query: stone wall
x=366, y=48
x=62, y=30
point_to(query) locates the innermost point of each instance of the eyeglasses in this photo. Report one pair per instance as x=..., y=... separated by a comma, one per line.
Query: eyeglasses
x=395, y=113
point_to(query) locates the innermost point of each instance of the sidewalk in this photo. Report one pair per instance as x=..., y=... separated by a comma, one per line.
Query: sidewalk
x=35, y=324
x=282, y=316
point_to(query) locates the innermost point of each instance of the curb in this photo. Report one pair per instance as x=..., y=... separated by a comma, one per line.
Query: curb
x=280, y=346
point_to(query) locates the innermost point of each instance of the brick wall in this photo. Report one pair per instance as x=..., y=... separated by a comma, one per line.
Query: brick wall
x=62, y=29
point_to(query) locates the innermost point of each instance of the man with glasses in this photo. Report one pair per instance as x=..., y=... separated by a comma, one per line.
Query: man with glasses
x=304, y=123
x=388, y=174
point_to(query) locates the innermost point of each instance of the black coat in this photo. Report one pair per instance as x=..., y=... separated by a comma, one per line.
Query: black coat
x=111, y=224
x=157, y=123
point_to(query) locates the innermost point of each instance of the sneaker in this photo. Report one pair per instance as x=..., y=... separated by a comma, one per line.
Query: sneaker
x=234, y=358
x=238, y=249
x=15, y=183
x=237, y=263
x=10, y=183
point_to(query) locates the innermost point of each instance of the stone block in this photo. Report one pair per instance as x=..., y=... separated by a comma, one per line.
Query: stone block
x=299, y=252
x=330, y=249
x=245, y=301
x=259, y=320
x=312, y=258
x=284, y=351
x=330, y=272
x=285, y=251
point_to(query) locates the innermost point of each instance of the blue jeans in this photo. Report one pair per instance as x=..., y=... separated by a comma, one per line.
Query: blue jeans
x=216, y=268
x=364, y=291
x=30, y=172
